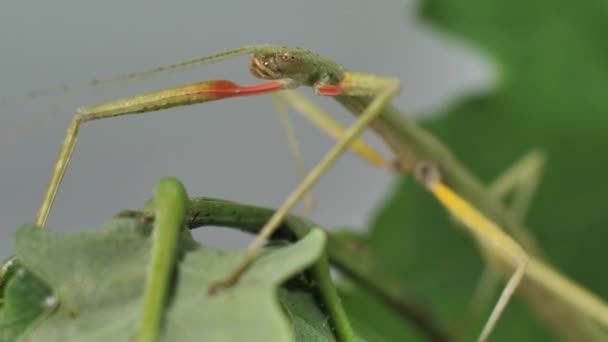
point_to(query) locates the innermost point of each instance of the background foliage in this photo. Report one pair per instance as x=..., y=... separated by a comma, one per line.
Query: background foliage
x=553, y=63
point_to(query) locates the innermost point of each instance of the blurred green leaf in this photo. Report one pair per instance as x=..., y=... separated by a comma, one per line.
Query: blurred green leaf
x=552, y=62
x=98, y=279
x=374, y=320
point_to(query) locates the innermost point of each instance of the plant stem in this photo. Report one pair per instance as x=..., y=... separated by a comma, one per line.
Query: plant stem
x=390, y=291
x=170, y=201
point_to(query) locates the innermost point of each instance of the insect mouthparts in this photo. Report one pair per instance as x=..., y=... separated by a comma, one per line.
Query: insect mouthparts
x=258, y=66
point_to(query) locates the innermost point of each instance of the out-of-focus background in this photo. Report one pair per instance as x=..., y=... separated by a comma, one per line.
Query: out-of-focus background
x=231, y=149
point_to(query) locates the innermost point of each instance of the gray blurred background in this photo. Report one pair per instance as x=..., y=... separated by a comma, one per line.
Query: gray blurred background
x=231, y=149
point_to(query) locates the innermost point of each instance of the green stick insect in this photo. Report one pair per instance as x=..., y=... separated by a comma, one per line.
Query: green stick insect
x=416, y=152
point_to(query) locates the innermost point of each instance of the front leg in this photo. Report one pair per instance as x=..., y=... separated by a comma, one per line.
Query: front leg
x=371, y=112
x=158, y=100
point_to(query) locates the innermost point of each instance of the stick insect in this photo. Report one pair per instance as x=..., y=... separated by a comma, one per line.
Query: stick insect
x=367, y=96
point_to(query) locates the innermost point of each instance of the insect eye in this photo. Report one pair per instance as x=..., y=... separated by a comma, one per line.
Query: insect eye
x=286, y=56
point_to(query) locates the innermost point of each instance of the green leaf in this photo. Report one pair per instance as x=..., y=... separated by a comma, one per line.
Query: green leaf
x=375, y=321
x=552, y=61
x=26, y=299
x=248, y=311
x=98, y=279
x=309, y=322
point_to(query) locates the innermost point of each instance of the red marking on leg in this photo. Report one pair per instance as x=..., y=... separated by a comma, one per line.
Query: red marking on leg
x=329, y=90
x=341, y=88
x=222, y=88
x=263, y=88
